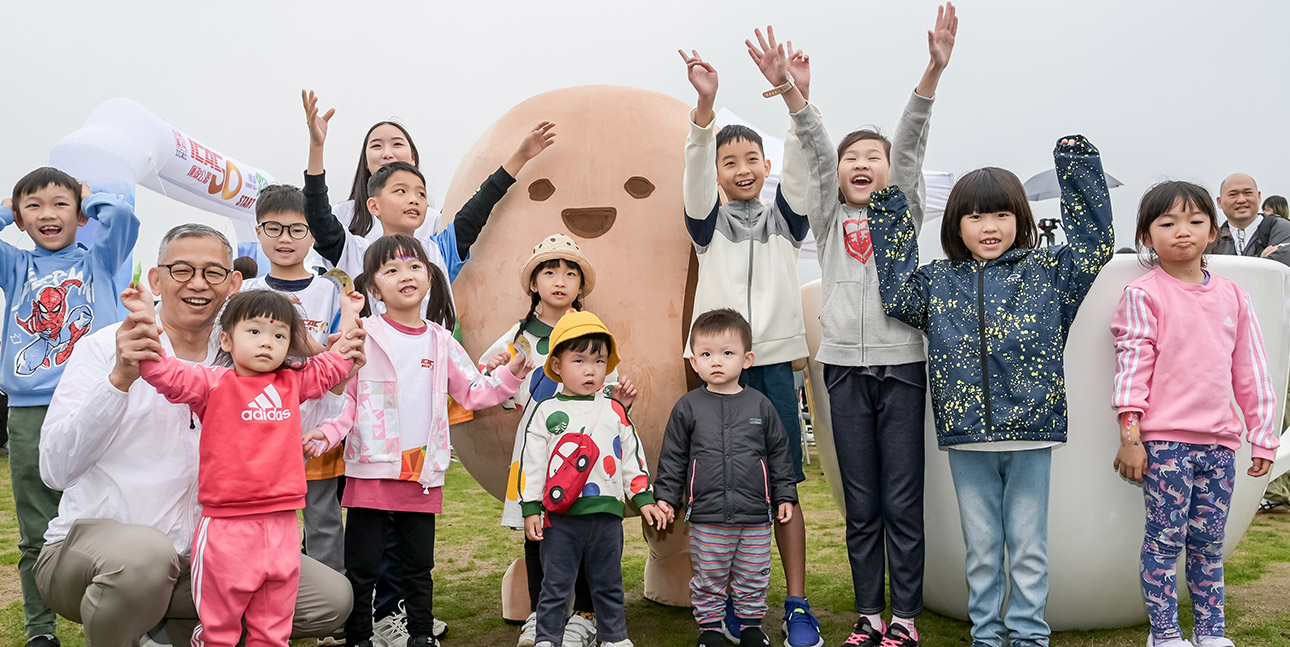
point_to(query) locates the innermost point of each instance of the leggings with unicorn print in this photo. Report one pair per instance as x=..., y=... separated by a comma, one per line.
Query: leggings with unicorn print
x=1188, y=490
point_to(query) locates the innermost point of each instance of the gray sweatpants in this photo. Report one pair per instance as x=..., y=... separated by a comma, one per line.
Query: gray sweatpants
x=120, y=580
x=324, y=530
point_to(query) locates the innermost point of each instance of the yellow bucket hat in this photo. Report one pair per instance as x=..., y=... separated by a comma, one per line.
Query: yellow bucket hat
x=580, y=324
x=553, y=247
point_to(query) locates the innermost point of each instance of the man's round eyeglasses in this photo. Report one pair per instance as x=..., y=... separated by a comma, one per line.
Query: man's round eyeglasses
x=184, y=272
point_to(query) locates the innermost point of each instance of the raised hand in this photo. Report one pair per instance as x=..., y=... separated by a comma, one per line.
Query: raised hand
x=536, y=141
x=799, y=67
x=86, y=191
x=137, y=298
x=350, y=345
x=940, y=39
x=317, y=123
x=704, y=79
x=702, y=75
x=7, y=203
x=769, y=56
x=138, y=338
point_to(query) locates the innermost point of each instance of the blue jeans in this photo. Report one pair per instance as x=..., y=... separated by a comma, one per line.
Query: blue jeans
x=1003, y=501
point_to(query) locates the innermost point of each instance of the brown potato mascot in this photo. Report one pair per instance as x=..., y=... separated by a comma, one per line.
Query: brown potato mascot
x=612, y=182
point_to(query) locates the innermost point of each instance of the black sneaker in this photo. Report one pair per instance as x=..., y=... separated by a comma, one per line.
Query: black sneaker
x=863, y=635
x=753, y=637
x=423, y=641
x=711, y=638
x=43, y=640
x=900, y=636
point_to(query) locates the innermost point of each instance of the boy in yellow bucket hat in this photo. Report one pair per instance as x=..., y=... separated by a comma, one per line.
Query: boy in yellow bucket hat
x=581, y=460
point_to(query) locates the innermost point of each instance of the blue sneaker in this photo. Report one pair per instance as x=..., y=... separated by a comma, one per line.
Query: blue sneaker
x=801, y=629
x=730, y=627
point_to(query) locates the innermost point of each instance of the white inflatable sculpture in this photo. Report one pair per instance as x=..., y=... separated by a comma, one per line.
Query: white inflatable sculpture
x=123, y=142
x=1095, y=519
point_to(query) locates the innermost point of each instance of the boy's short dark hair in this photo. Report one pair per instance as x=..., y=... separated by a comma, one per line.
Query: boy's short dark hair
x=382, y=175
x=595, y=342
x=986, y=190
x=279, y=198
x=246, y=266
x=736, y=132
x=721, y=320
x=41, y=178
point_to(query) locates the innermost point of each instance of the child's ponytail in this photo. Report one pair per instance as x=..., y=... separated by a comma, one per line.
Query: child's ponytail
x=439, y=307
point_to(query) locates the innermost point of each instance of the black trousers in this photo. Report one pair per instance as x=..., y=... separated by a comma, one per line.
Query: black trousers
x=878, y=432
x=365, y=545
x=592, y=543
x=533, y=567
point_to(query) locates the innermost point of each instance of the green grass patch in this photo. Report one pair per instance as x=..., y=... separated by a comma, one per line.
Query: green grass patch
x=472, y=552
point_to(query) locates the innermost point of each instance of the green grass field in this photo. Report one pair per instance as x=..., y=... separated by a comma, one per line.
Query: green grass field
x=472, y=552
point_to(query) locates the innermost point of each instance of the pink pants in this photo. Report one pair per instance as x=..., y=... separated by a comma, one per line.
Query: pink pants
x=245, y=566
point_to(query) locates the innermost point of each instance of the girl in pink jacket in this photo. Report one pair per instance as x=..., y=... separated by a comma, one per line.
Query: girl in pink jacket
x=395, y=428
x=1184, y=340
x=251, y=481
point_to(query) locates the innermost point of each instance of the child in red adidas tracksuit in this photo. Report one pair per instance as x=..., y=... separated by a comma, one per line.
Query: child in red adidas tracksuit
x=251, y=481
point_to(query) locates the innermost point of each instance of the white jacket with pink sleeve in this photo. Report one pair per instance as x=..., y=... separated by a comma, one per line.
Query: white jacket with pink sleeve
x=370, y=424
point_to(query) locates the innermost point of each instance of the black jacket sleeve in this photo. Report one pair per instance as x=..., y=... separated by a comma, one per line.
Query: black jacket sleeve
x=783, y=489
x=674, y=458
x=329, y=234
x=473, y=215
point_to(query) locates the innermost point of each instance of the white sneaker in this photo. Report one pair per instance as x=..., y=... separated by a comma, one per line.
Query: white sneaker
x=620, y=643
x=580, y=631
x=1212, y=641
x=1175, y=642
x=528, y=633
x=391, y=631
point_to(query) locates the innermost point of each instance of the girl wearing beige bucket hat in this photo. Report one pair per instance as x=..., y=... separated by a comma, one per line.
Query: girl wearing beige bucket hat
x=557, y=276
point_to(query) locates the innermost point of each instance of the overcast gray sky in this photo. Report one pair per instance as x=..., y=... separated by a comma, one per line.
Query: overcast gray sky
x=1184, y=90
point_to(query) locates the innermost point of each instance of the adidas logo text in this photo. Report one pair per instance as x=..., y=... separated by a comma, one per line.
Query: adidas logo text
x=266, y=406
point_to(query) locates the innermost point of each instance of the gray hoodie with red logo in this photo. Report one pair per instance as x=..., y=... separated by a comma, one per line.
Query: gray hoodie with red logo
x=856, y=330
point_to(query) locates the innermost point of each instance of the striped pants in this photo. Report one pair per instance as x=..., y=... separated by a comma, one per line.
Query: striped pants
x=737, y=556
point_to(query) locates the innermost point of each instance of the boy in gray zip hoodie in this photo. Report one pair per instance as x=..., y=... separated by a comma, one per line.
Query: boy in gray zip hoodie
x=874, y=366
x=747, y=253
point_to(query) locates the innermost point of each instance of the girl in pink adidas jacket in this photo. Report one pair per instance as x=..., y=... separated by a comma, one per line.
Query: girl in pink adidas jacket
x=395, y=428
x=251, y=481
x=1185, y=340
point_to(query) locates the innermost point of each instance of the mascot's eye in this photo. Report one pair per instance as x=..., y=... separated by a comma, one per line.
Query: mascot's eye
x=638, y=187
x=541, y=189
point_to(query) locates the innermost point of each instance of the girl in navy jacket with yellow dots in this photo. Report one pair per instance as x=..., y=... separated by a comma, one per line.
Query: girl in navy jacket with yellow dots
x=997, y=313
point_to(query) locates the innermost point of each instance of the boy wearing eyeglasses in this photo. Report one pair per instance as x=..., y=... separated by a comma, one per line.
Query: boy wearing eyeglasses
x=286, y=241
x=57, y=293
